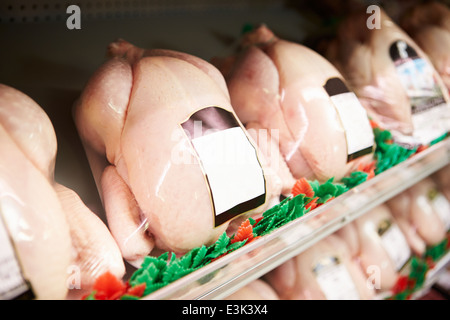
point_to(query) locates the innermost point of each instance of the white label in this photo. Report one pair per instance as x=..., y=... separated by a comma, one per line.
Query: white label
x=430, y=110
x=359, y=134
x=442, y=208
x=231, y=165
x=12, y=283
x=431, y=124
x=396, y=246
x=335, y=280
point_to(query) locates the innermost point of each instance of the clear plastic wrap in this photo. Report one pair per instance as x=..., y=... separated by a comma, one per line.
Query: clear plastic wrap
x=422, y=211
x=442, y=178
x=429, y=26
x=326, y=270
x=381, y=246
x=323, y=131
x=39, y=254
x=393, y=77
x=172, y=162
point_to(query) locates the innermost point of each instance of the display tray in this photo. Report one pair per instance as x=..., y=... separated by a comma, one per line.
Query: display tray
x=224, y=276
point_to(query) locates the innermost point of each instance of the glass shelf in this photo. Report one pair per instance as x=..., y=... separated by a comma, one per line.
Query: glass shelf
x=224, y=276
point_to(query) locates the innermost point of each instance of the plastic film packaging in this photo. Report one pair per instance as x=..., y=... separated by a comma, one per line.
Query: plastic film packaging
x=381, y=246
x=36, y=237
x=325, y=271
x=442, y=178
x=393, y=78
x=172, y=161
x=429, y=26
x=284, y=87
x=423, y=210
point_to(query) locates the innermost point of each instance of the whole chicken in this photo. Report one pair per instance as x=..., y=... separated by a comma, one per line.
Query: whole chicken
x=381, y=247
x=285, y=87
x=256, y=290
x=326, y=270
x=442, y=179
x=400, y=207
x=429, y=25
x=426, y=209
x=44, y=228
x=393, y=77
x=172, y=162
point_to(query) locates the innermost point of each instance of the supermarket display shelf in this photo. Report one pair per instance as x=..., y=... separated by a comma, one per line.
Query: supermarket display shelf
x=433, y=275
x=224, y=276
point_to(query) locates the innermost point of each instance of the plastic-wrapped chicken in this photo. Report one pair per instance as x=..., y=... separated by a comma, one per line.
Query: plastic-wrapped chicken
x=38, y=234
x=424, y=210
x=429, y=25
x=284, y=87
x=442, y=178
x=400, y=207
x=381, y=246
x=172, y=162
x=255, y=290
x=326, y=270
x=393, y=77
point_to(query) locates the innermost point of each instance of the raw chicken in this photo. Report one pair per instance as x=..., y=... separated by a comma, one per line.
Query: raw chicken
x=30, y=208
x=400, y=207
x=393, y=78
x=285, y=87
x=95, y=251
x=255, y=290
x=426, y=209
x=442, y=178
x=429, y=25
x=155, y=182
x=326, y=270
x=55, y=235
x=383, y=249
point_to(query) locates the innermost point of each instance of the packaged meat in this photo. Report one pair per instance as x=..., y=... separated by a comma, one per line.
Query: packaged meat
x=382, y=247
x=326, y=270
x=94, y=250
x=400, y=207
x=255, y=290
x=442, y=179
x=393, y=78
x=37, y=238
x=172, y=162
x=429, y=25
x=286, y=88
x=426, y=210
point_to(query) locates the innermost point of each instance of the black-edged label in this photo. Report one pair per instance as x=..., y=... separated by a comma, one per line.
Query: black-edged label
x=12, y=283
x=229, y=161
x=354, y=119
x=429, y=108
x=334, y=279
x=394, y=243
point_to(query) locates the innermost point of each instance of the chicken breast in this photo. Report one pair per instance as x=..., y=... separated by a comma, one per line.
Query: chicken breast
x=172, y=162
x=280, y=85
